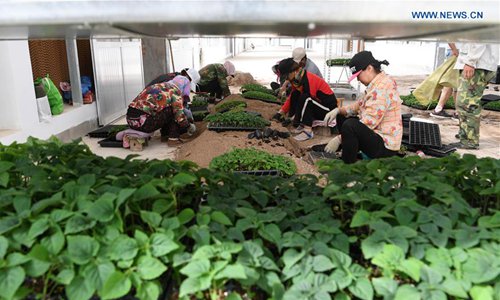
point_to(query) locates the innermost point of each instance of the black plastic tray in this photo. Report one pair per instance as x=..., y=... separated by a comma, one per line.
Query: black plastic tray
x=102, y=132
x=219, y=128
x=261, y=172
x=198, y=108
x=489, y=98
x=198, y=118
x=425, y=134
x=110, y=143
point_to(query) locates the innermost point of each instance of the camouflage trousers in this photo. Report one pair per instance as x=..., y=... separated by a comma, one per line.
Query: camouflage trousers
x=469, y=106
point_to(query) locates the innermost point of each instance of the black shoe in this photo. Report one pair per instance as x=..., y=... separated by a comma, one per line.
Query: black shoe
x=460, y=145
x=441, y=115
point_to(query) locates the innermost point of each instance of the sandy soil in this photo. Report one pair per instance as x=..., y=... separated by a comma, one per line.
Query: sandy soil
x=209, y=144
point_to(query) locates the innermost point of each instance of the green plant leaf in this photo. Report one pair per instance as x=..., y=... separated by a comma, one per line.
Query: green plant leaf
x=39, y=227
x=16, y=259
x=55, y=242
x=116, y=286
x=78, y=223
x=406, y=292
x=162, y=244
x=411, y=267
x=97, y=273
x=481, y=292
x=79, y=289
x=4, y=245
x=481, y=266
x=186, y=215
x=146, y=191
x=65, y=276
x=430, y=276
x=271, y=232
x=9, y=223
x=221, y=218
x=385, y=287
x=103, y=208
x=234, y=271
x=322, y=263
x=150, y=267
x=196, y=268
x=39, y=262
x=360, y=218
x=454, y=288
x=123, y=196
x=82, y=248
x=362, y=288
x=151, y=218
x=183, y=179
x=149, y=290
x=234, y=296
x=123, y=248
x=192, y=285
x=10, y=280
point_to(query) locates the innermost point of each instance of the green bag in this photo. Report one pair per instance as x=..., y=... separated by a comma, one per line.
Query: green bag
x=431, y=87
x=55, y=98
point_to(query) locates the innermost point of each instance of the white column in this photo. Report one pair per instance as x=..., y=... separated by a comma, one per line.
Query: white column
x=17, y=94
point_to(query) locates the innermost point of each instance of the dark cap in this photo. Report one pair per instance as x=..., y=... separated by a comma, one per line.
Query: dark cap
x=286, y=66
x=359, y=62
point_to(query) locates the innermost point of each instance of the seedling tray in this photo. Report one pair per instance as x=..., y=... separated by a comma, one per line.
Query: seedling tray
x=200, y=116
x=318, y=152
x=198, y=108
x=102, y=132
x=260, y=172
x=489, y=98
x=110, y=143
x=425, y=134
x=219, y=128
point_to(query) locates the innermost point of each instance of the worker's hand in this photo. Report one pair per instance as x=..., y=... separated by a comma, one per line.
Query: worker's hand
x=333, y=145
x=331, y=116
x=192, y=129
x=277, y=116
x=468, y=72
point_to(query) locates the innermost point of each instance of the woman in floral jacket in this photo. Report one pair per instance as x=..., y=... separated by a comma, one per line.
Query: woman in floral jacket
x=160, y=106
x=373, y=124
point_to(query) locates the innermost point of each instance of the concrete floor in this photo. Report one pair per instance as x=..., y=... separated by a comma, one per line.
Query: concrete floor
x=258, y=62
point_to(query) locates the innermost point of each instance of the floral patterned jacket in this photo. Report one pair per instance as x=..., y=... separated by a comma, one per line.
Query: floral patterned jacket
x=380, y=110
x=158, y=97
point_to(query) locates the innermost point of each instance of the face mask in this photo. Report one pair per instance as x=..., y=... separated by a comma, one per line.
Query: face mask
x=296, y=81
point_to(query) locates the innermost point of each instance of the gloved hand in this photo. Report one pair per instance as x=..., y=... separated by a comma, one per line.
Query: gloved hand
x=278, y=117
x=192, y=129
x=331, y=116
x=333, y=145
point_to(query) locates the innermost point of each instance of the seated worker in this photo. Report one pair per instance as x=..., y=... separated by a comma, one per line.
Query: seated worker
x=311, y=98
x=300, y=57
x=213, y=80
x=377, y=130
x=184, y=84
x=159, y=106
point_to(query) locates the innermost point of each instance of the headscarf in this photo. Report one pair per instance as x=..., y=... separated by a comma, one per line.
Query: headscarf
x=183, y=84
x=229, y=67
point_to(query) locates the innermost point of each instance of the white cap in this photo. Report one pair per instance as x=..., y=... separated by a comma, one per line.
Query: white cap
x=298, y=54
x=195, y=78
